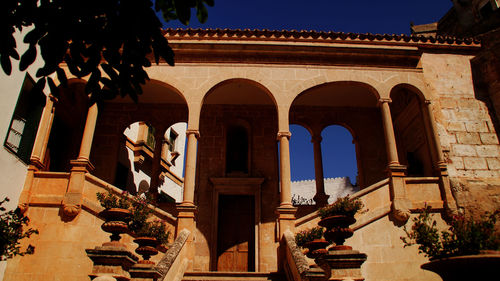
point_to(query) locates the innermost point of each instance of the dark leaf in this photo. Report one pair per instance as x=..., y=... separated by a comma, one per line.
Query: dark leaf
x=209, y=2
x=201, y=13
x=6, y=65
x=61, y=75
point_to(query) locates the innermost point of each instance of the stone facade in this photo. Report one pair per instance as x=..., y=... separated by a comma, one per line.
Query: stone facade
x=421, y=135
x=303, y=191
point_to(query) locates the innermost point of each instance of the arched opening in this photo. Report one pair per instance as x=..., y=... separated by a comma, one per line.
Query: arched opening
x=339, y=162
x=67, y=128
x=410, y=131
x=302, y=166
x=158, y=108
x=354, y=105
x=237, y=166
x=137, y=158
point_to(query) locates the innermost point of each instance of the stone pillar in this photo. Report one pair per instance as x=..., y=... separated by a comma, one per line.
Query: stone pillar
x=439, y=163
x=190, y=167
x=156, y=166
x=286, y=211
x=73, y=198
x=390, y=139
x=37, y=159
x=187, y=210
x=400, y=203
x=321, y=198
x=285, y=174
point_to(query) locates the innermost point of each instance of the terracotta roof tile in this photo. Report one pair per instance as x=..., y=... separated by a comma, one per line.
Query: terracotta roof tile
x=315, y=36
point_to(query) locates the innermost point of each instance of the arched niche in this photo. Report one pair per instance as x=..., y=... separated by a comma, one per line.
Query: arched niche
x=410, y=130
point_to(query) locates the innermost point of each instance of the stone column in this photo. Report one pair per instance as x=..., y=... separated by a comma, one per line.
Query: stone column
x=73, y=198
x=285, y=174
x=390, y=139
x=37, y=159
x=400, y=203
x=187, y=210
x=156, y=166
x=320, y=198
x=438, y=159
x=190, y=166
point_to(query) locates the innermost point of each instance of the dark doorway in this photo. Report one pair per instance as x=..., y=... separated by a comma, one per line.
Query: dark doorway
x=236, y=233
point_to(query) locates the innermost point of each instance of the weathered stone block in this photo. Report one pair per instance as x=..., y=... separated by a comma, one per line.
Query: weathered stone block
x=456, y=126
x=493, y=163
x=487, y=150
x=457, y=162
x=476, y=126
x=488, y=138
x=475, y=163
x=464, y=150
x=468, y=138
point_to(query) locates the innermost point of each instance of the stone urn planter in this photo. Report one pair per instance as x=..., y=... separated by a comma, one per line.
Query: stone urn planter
x=316, y=248
x=484, y=266
x=115, y=223
x=147, y=248
x=337, y=230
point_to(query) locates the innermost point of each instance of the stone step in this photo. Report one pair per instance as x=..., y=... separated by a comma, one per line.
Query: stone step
x=232, y=276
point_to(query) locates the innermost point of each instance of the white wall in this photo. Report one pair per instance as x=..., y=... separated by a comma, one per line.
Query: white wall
x=12, y=170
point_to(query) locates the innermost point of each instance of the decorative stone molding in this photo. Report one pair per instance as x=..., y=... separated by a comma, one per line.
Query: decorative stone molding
x=196, y=133
x=169, y=258
x=284, y=134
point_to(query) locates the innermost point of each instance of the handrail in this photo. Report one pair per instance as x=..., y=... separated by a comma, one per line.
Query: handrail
x=174, y=263
x=360, y=193
x=295, y=263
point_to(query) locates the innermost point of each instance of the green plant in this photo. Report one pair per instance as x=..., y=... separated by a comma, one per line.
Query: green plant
x=139, y=214
x=463, y=237
x=343, y=206
x=11, y=232
x=156, y=229
x=308, y=235
x=109, y=200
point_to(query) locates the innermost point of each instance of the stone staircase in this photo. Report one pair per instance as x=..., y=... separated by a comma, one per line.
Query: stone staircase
x=232, y=276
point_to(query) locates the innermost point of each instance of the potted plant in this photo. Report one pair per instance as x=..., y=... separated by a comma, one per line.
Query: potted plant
x=149, y=234
x=337, y=217
x=116, y=214
x=312, y=239
x=468, y=250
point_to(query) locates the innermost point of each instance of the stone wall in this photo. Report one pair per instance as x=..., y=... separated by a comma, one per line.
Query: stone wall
x=467, y=134
x=334, y=187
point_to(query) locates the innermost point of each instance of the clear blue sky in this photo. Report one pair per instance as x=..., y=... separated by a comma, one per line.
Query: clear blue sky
x=361, y=16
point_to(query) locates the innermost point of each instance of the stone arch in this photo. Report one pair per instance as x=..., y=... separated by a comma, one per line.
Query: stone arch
x=409, y=81
x=411, y=129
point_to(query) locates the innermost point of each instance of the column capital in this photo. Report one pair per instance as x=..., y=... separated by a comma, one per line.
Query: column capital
x=195, y=132
x=53, y=98
x=284, y=134
x=384, y=100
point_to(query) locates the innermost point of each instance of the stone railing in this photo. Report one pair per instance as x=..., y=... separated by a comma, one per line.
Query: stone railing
x=295, y=263
x=175, y=262
x=376, y=199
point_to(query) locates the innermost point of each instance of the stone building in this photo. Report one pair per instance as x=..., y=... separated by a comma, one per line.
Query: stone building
x=422, y=137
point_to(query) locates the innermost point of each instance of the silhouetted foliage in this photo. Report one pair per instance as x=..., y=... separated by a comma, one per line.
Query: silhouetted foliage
x=117, y=37
x=11, y=232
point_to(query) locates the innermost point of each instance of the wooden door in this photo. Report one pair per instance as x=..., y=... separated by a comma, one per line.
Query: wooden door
x=236, y=233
